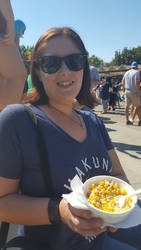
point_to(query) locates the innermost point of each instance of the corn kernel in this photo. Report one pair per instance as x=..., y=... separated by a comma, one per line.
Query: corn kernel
x=103, y=196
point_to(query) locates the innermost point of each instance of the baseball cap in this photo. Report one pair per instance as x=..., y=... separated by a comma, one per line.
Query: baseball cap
x=19, y=27
x=134, y=65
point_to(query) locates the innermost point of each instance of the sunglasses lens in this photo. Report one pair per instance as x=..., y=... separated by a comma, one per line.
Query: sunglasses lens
x=50, y=64
x=75, y=62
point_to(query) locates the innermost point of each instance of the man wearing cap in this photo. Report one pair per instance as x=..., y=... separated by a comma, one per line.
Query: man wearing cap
x=95, y=82
x=95, y=79
x=131, y=82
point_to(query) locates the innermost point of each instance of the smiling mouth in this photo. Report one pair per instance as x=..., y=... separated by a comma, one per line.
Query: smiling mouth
x=65, y=84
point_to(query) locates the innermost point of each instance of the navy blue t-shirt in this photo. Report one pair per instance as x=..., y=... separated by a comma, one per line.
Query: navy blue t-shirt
x=19, y=158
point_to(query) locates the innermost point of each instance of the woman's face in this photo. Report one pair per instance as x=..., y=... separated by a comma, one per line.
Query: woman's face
x=64, y=85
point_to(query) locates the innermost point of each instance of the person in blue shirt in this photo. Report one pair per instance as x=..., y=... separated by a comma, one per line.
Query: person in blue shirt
x=76, y=142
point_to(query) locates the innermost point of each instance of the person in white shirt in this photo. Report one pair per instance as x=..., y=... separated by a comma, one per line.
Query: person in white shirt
x=131, y=82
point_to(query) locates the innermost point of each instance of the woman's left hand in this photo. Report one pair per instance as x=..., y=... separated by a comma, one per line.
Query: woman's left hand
x=80, y=221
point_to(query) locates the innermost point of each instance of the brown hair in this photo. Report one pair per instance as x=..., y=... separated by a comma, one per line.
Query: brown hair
x=39, y=96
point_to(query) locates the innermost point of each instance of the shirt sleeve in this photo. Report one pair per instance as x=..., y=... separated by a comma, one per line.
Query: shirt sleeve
x=11, y=160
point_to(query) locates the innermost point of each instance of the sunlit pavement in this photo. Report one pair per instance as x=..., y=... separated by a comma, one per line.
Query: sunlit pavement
x=127, y=142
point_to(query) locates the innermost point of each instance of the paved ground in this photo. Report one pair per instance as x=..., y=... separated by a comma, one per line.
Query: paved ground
x=127, y=141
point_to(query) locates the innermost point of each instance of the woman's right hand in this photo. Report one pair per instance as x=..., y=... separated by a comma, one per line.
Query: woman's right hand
x=80, y=221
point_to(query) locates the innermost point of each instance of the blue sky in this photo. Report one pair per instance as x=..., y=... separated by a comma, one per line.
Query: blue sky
x=104, y=25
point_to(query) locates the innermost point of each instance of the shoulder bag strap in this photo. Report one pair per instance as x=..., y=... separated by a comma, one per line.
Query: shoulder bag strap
x=43, y=154
x=3, y=233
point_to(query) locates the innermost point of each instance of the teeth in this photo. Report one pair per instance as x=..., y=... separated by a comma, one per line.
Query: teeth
x=65, y=83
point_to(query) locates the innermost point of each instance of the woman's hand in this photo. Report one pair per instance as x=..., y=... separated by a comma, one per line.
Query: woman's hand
x=80, y=221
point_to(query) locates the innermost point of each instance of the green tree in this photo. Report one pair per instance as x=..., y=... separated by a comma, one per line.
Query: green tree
x=118, y=60
x=23, y=51
x=95, y=61
x=127, y=56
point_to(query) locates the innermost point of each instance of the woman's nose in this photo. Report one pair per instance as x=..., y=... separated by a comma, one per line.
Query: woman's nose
x=63, y=67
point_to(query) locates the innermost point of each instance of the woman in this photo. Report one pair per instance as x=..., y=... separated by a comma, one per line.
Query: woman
x=76, y=142
x=12, y=75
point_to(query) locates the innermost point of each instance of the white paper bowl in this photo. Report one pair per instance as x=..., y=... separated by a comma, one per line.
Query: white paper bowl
x=107, y=216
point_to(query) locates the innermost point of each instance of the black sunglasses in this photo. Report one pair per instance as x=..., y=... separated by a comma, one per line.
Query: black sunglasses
x=51, y=64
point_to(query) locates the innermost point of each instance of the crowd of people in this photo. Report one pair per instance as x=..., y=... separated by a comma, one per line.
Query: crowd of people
x=108, y=91
x=72, y=139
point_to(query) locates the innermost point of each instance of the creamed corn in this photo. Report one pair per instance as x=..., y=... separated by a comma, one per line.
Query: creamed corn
x=105, y=194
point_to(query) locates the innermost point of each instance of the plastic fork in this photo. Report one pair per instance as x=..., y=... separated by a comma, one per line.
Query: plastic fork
x=122, y=198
